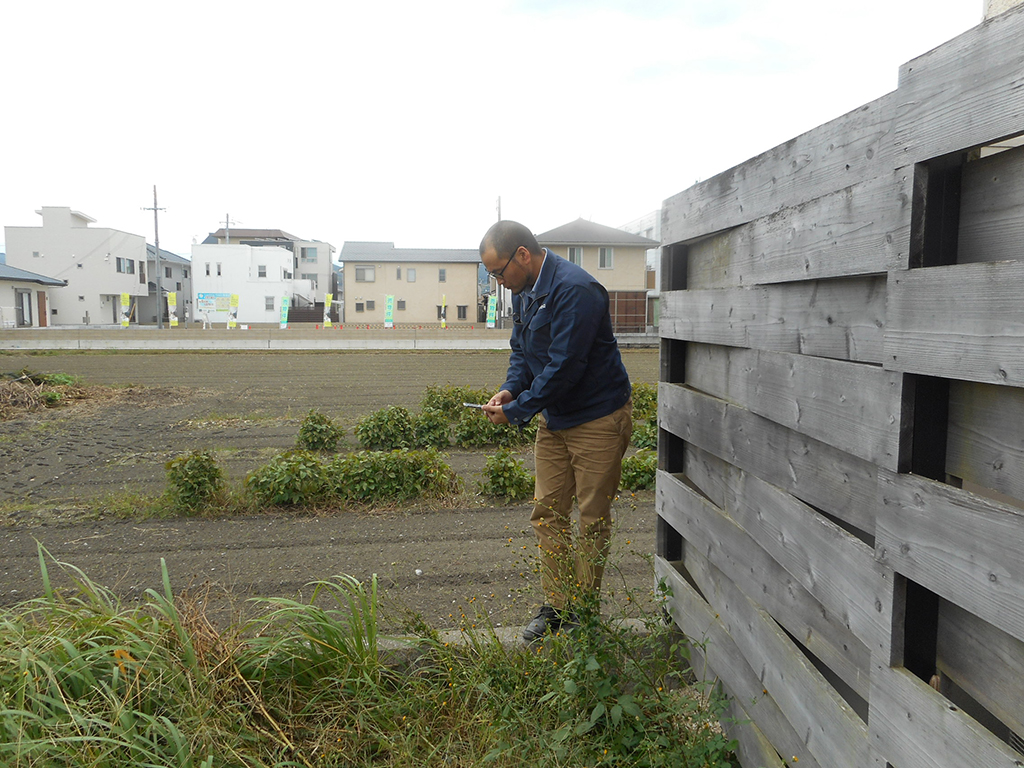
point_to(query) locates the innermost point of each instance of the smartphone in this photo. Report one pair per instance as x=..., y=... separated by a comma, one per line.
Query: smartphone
x=472, y=405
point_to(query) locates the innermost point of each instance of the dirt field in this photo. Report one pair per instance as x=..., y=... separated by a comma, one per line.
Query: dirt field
x=247, y=407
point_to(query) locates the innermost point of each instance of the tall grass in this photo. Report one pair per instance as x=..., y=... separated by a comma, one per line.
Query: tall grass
x=85, y=681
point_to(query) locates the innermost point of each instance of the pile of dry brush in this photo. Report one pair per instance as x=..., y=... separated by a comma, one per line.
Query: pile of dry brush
x=26, y=392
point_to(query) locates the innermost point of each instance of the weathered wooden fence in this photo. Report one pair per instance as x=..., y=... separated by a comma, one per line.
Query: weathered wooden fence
x=841, y=417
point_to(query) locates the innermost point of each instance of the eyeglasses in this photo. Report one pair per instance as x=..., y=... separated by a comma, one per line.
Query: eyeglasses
x=500, y=273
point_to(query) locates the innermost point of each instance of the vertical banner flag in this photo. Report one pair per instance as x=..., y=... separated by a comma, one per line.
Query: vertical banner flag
x=233, y=311
x=126, y=303
x=172, y=308
x=492, y=309
x=327, y=310
x=444, y=311
x=389, y=311
x=285, y=301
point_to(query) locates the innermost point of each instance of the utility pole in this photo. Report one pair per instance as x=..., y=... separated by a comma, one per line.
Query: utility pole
x=157, y=270
x=227, y=228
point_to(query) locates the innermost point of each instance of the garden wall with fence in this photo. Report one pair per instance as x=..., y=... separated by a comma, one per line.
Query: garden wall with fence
x=841, y=425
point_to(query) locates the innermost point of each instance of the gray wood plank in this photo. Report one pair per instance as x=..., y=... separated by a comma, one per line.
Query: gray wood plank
x=841, y=318
x=698, y=621
x=914, y=726
x=984, y=661
x=964, y=321
x=732, y=550
x=985, y=443
x=851, y=406
x=836, y=568
x=842, y=485
x=963, y=547
x=752, y=746
x=992, y=209
x=858, y=230
x=964, y=93
x=831, y=730
x=850, y=149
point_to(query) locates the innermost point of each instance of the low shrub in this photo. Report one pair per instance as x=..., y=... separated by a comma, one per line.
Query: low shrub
x=645, y=434
x=505, y=477
x=474, y=430
x=193, y=480
x=291, y=478
x=371, y=476
x=319, y=432
x=387, y=429
x=448, y=399
x=645, y=401
x=639, y=470
x=432, y=429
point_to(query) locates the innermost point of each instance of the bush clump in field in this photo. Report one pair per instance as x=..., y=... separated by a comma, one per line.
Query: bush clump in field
x=27, y=391
x=387, y=429
x=291, y=478
x=645, y=401
x=639, y=470
x=505, y=477
x=448, y=399
x=319, y=432
x=88, y=682
x=193, y=481
x=374, y=476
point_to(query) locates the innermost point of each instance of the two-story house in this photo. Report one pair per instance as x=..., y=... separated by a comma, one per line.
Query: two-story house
x=616, y=258
x=422, y=283
x=97, y=264
x=173, y=276
x=312, y=260
x=261, y=277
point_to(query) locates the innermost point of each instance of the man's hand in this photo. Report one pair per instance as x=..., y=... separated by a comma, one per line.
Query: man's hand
x=493, y=407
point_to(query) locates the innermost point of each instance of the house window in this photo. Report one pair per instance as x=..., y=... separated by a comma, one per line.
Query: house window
x=261, y=270
x=35, y=254
x=125, y=266
x=576, y=255
x=268, y=303
x=359, y=306
x=364, y=274
x=308, y=254
x=442, y=275
x=370, y=305
x=80, y=265
x=441, y=312
x=400, y=305
x=604, y=259
x=142, y=272
x=167, y=271
x=81, y=298
x=398, y=273
x=311, y=276
x=207, y=269
x=463, y=311
x=218, y=269
x=184, y=273
x=177, y=286
x=410, y=275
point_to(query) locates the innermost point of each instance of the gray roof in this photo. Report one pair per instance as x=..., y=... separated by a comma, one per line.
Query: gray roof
x=379, y=251
x=165, y=255
x=13, y=274
x=583, y=232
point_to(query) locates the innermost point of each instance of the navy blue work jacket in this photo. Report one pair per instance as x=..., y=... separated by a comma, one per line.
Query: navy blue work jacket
x=565, y=362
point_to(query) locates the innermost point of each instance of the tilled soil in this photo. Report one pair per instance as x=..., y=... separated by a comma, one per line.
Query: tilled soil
x=443, y=564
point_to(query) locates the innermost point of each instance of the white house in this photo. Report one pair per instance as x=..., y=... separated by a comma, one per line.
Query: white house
x=98, y=264
x=24, y=298
x=260, y=276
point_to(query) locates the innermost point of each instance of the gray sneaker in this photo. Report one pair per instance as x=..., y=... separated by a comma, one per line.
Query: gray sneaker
x=548, y=619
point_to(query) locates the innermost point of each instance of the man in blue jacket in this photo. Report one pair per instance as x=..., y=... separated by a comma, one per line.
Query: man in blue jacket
x=566, y=370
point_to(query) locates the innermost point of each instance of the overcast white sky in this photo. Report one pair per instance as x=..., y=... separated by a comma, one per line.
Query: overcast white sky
x=404, y=121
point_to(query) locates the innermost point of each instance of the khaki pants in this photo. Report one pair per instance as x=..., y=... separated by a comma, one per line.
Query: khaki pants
x=584, y=462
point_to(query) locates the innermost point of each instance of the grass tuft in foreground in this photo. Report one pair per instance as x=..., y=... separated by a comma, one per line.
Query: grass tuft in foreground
x=85, y=681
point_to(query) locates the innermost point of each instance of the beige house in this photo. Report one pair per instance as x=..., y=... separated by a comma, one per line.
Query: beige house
x=420, y=281
x=616, y=258
x=25, y=298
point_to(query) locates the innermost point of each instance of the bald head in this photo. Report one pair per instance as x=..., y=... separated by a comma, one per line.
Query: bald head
x=506, y=236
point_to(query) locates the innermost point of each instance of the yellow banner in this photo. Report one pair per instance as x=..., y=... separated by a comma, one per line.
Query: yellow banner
x=126, y=303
